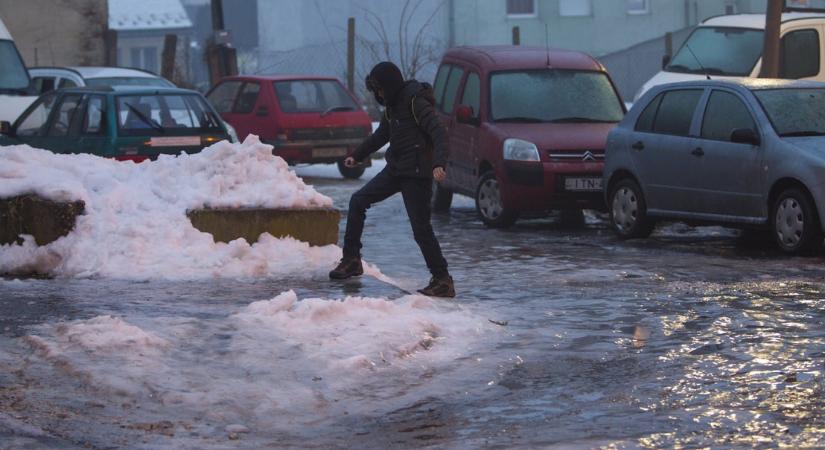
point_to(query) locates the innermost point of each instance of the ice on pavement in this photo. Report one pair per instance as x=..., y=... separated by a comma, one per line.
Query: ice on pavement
x=274, y=360
x=135, y=225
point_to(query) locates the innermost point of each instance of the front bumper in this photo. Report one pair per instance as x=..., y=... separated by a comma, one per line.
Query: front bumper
x=540, y=186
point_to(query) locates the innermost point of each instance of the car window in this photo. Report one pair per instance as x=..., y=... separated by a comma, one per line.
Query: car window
x=440, y=82
x=43, y=84
x=34, y=123
x=164, y=114
x=646, y=118
x=799, y=54
x=728, y=51
x=724, y=113
x=312, y=96
x=472, y=93
x=66, y=83
x=223, y=96
x=676, y=112
x=93, y=122
x=247, y=98
x=64, y=117
x=451, y=89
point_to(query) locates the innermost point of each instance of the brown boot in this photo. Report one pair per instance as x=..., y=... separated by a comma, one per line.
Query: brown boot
x=440, y=286
x=347, y=268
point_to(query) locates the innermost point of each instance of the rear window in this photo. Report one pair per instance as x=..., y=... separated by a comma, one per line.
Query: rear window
x=312, y=96
x=173, y=114
x=128, y=81
x=553, y=96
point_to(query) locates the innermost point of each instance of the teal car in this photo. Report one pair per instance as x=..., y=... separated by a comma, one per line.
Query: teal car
x=127, y=123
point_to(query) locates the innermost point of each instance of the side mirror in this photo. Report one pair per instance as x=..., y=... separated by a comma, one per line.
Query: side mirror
x=464, y=114
x=745, y=136
x=5, y=128
x=665, y=61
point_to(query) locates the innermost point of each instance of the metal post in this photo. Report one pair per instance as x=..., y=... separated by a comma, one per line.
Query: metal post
x=770, y=54
x=516, y=36
x=351, y=53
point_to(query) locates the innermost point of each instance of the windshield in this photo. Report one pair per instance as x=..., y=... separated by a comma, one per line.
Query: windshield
x=794, y=112
x=719, y=51
x=128, y=81
x=553, y=96
x=13, y=74
x=304, y=96
x=172, y=114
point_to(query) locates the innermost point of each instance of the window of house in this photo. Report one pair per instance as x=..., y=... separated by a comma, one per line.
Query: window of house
x=676, y=112
x=472, y=93
x=637, y=7
x=521, y=8
x=799, y=54
x=725, y=113
x=575, y=8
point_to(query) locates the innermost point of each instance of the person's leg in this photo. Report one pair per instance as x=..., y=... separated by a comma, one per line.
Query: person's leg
x=417, y=193
x=379, y=188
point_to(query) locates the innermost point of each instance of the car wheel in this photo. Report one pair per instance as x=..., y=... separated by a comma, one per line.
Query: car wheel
x=489, y=205
x=628, y=211
x=351, y=172
x=442, y=198
x=795, y=222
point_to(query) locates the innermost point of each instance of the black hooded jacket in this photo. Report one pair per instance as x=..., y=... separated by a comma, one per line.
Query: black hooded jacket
x=418, y=140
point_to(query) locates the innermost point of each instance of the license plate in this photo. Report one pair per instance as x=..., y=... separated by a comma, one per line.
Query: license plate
x=329, y=152
x=583, y=184
x=175, y=141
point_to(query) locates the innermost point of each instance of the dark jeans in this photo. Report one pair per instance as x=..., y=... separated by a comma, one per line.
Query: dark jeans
x=417, y=193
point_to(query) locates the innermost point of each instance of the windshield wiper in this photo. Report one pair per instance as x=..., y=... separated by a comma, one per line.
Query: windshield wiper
x=685, y=69
x=679, y=68
x=146, y=120
x=803, y=133
x=336, y=109
x=580, y=120
x=519, y=119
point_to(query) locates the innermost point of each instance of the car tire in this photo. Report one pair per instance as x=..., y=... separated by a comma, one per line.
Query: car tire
x=628, y=210
x=489, y=206
x=442, y=198
x=795, y=222
x=351, y=172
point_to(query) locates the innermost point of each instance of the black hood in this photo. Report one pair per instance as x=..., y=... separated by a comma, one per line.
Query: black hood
x=386, y=76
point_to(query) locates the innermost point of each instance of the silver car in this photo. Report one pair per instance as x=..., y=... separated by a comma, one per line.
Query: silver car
x=747, y=153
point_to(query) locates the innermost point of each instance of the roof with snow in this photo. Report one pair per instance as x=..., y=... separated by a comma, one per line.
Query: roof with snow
x=134, y=15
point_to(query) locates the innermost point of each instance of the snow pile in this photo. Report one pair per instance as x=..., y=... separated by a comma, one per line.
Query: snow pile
x=135, y=224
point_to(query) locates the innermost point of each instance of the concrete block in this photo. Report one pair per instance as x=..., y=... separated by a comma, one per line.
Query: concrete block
x=314, y=226
x=44, y=219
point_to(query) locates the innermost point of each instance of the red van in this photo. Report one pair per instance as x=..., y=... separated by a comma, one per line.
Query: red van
x=527, y=129
x=308, y=119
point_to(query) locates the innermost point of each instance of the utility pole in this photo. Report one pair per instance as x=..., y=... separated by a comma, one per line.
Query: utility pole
x=351, y=54
x=770, y=54
x=221, y=57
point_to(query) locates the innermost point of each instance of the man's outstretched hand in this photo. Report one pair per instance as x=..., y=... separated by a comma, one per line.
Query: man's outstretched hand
x=350, y=162
x=439, y=174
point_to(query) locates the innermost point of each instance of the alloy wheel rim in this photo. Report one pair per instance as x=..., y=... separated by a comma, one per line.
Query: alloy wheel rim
x=790, y=222
x=625, y=209
x=489, y=200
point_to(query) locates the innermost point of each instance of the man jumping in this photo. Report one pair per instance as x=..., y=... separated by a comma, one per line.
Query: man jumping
x=417, y=154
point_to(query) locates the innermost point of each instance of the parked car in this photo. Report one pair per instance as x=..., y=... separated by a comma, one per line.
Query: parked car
x=731, y=47
x=45, y=79
x=15, y=94
x=307, y=119
x=122, y=123
x=527, y=129
x=745, y=154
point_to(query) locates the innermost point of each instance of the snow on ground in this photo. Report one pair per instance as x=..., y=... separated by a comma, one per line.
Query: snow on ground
x=279, y=358
x=135, y=225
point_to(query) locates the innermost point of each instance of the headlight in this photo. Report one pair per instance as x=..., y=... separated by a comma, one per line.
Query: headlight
x=519, y=150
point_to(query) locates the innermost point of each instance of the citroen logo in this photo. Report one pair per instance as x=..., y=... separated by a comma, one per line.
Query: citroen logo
x=588, y=156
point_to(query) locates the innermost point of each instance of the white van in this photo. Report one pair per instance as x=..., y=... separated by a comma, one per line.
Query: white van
x=730, y=47
x=14, y=79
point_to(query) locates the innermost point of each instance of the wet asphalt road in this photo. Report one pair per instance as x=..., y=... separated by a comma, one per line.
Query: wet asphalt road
x=692, y=338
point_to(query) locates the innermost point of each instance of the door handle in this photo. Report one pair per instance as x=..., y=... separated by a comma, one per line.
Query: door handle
x=638, y=146
x=698, y=152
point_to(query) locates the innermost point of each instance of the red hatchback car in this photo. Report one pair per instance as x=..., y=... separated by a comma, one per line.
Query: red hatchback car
x=307, y=119
x=527, y=129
